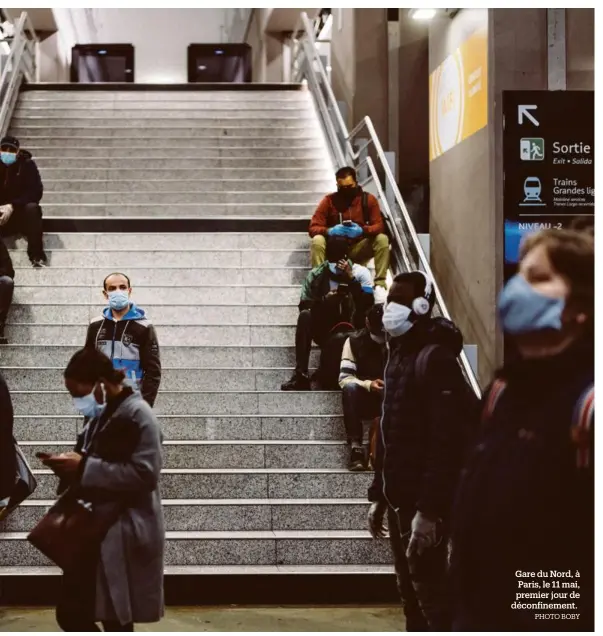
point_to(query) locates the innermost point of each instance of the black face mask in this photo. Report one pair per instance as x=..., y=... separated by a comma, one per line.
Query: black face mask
x=345, y=196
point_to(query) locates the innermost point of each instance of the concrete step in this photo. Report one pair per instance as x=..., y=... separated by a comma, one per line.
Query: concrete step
x=178, y=119
x=182, y=210
x=77, y=314
x=169, y=111
x=216, y=354
x=197, y=335
x=227, y=167
x=227, y=454
x=197, y=403
x=172, y=379
x=185, y=427
x=174, y=276
x=122, y=258
x=231, y=515
x=175, y=195
x=250, y=483
x=185, y=172
x=136, y=98
x=170, y=182
x=289, y=547
x=200, y=294
x=149, y=152
x=170, y=132
x=145, y=142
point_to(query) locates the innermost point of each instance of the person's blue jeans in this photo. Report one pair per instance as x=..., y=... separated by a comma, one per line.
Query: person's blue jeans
x=7, y=286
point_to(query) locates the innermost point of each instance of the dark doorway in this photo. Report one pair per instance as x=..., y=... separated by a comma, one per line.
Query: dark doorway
x=92, y=63
x=230, y=63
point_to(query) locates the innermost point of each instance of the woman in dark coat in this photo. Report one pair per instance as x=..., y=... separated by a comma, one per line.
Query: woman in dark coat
x=525, y=508
x=117, y=461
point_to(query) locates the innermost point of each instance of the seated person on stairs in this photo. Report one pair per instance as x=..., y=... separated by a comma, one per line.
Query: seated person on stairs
x=21, y=191
x=337, y=291
x=361, y=380
x=126, y=336
x=356, y=216
x=7, y=285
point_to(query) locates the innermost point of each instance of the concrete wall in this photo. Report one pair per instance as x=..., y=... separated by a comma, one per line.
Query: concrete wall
x=462, y=221
x=160, y=36
x=580, y=48
x=343, y=59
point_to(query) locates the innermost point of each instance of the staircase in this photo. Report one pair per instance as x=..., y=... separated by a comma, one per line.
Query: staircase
x=254, y=479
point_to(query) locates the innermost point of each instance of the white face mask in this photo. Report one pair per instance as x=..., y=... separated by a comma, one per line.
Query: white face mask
x=396, y=319
x=88, y=406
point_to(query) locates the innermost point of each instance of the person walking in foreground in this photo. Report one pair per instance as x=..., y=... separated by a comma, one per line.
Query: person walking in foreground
x=425, y=426
x=526, y=500
x=116, y=462
x=126, y=335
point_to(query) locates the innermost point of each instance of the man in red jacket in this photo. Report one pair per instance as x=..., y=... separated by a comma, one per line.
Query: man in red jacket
x=356, y=215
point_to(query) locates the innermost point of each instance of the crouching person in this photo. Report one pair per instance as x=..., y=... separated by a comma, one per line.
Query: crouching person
x=116, y=462
x=361, y=381
x=338, y=291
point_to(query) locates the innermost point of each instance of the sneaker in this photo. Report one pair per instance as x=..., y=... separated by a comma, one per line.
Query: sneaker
x=356, y=459
x=299, y=382
x=38, y=263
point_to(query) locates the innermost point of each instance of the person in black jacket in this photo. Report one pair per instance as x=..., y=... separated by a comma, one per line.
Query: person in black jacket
x=423, y=435
x=126, y=336
x=525, y=506
x=7, y=286
x=361, y=381
x=21, y=191
x=8, y=458
x=337, y=291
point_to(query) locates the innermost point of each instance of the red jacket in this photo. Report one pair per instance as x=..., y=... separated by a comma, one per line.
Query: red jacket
x=326, y=216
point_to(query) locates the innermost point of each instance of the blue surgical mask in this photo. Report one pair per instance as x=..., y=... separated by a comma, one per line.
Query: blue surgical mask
x=8, y=158
x=118, y=300
x=334, y=269
x=88, y=406
x=396, y=319
x=524, y=310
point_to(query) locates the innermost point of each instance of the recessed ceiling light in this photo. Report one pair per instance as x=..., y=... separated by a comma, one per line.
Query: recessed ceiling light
x=103, y=52
x=422, y=14
x=202, y=67
x=219, y=52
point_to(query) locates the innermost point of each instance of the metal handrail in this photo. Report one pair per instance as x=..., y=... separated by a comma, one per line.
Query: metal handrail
x=408, y=254
x=19, y=64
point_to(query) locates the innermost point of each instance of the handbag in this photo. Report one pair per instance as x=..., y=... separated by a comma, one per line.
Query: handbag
x=25, y=484
x=74, y=528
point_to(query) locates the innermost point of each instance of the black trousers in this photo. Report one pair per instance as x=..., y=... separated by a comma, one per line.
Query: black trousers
x=27, y=220
x=312, y=324
x=7, y=286
x=358, y=405
x=423, y=585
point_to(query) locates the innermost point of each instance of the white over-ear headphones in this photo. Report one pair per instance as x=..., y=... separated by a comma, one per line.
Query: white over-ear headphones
x=420, y=305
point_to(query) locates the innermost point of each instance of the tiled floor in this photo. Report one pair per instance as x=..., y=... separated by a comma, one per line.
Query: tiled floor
x=235, y=619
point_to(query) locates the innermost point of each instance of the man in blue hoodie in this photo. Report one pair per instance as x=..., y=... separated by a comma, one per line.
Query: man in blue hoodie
x=124, y=334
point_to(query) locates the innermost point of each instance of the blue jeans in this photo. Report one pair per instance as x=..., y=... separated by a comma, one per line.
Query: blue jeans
x=7, y=286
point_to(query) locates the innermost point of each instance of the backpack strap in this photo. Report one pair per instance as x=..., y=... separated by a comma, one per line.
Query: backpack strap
x=582, y=425
x=496, y=390
x=365, y=209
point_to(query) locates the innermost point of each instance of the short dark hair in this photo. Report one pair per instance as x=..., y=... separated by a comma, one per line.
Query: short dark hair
x=417, y=284
x=116, y=274
x=337, y=249
x=89, y=365
x=346, y=171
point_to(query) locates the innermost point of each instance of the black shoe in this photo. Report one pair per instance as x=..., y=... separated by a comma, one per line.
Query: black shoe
x=299, y=382
x=38, y=263
x=356, y=459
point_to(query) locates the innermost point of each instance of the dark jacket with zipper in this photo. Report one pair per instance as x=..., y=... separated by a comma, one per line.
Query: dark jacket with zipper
x=131, y=344
x=6, y=263
x=20, y=183
x=524, y=502
x=424, y=426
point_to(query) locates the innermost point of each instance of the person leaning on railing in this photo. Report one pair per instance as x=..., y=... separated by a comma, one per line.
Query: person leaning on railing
x=354, y=214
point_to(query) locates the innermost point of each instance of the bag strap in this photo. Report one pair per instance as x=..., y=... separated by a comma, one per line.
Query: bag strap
x=582, y=424
x=496, y=390
x=365, y=209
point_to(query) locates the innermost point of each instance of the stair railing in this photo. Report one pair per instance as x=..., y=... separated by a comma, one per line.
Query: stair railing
x=20, y=64
x=362, y=149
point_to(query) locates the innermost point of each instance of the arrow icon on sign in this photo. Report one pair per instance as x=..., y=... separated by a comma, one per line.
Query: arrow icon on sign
x=523, y=110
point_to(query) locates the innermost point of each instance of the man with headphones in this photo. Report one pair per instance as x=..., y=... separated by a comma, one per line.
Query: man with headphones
x=427, y=411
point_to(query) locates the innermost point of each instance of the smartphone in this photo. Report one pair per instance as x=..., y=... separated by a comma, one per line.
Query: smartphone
x=348, y=223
